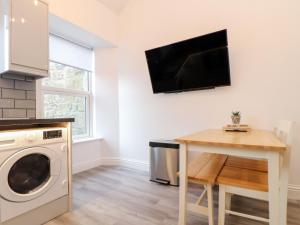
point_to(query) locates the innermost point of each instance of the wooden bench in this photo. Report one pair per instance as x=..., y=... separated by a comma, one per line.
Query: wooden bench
x=244, y=178
x=245, y=173
x=245, y=163
x=204, y=170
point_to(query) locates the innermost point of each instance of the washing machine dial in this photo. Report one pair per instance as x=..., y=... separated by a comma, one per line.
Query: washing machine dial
x=30, y=137
x=64, y=148
x=64, y=183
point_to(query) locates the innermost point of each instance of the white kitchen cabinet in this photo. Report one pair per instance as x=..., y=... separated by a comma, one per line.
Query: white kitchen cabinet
x=24, y=37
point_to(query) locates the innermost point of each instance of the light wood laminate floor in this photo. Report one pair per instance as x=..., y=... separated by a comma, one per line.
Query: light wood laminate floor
x=122, y=196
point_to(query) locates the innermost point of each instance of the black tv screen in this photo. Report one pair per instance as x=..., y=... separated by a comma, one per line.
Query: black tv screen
x=197, y=63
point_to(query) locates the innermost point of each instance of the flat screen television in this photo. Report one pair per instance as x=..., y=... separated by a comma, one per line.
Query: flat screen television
x=198, y=63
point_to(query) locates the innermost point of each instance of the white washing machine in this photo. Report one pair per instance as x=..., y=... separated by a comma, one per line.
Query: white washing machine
x=33, y=169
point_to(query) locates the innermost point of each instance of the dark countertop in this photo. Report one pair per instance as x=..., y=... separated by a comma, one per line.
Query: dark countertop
x=12, y=122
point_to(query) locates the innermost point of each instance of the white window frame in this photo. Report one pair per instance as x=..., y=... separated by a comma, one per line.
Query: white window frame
x=42, y=90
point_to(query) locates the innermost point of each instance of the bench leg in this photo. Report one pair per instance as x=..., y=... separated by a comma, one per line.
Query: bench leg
x=274, y=189
x=228, y=201
x=210, y=204
x=222, y=203
x=284, y=176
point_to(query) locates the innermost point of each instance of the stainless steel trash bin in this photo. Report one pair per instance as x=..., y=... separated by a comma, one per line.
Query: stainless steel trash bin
x=164, y=162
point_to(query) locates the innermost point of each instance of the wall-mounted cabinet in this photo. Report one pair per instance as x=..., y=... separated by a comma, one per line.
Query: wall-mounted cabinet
x=24, y=37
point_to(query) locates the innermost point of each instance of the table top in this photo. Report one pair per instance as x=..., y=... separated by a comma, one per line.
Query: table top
x=254, y=139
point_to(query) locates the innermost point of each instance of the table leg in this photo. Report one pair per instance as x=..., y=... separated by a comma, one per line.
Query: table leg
x=274, y=190
x=284, y=177
x=183, y=184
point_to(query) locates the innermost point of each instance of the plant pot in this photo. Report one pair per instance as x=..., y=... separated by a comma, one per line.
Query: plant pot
x=236, y=120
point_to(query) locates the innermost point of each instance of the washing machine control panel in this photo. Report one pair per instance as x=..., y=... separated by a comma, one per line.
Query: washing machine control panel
x=31, y=137
x=52, y=134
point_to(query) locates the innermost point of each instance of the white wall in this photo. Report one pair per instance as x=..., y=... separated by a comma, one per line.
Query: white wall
x=106, y=101
x=86, y=155
x=265, y=70
x=90, y=15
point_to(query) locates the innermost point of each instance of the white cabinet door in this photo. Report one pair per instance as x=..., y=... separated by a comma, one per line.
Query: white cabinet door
x=29, y=34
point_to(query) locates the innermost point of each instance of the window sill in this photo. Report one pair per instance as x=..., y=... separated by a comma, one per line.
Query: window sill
x=88, y=139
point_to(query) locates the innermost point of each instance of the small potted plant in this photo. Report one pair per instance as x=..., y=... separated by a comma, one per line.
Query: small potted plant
x=236, y=118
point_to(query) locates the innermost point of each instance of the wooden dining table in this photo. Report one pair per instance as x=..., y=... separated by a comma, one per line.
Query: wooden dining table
x=260, y=144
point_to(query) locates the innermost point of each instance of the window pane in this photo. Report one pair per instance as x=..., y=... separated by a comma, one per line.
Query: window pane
x=61, y=105
x=62, y=76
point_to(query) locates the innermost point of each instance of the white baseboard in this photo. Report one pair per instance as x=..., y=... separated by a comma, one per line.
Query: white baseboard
x=134, y=164
x=77, y=168
x=294, y=192
x=110, y=161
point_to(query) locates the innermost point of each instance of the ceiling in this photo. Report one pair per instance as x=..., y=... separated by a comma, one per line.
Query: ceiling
x=114, y=5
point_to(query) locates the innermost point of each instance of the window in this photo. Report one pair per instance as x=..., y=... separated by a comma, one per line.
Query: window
x=67, y=91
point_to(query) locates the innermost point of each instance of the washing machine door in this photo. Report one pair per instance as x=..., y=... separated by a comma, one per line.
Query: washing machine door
x=29, y=173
